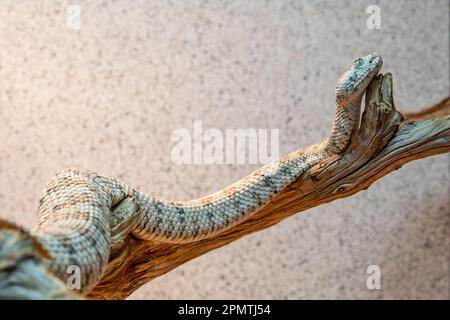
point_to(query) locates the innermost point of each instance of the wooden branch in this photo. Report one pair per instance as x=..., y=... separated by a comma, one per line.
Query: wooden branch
x=384, y=142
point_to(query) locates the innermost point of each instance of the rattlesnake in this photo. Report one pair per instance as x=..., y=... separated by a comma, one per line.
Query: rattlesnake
x=83, y=214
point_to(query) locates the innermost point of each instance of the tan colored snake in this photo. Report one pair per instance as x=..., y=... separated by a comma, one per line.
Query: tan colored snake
x=83, y=215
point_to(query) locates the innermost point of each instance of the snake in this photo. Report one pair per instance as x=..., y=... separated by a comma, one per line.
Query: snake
x=85, y=216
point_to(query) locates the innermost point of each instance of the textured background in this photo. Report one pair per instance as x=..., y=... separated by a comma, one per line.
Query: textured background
x=108, y=96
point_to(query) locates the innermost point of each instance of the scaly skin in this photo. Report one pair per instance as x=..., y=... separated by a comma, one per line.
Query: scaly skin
x=83, y=214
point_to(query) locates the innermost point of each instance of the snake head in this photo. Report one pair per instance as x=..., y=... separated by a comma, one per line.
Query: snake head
x=354, y=82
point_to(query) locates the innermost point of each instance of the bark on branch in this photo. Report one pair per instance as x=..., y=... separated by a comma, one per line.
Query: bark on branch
x=385, y=141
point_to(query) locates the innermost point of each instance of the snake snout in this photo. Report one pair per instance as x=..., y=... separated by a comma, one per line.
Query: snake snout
x=374, y=59
x=372, y=62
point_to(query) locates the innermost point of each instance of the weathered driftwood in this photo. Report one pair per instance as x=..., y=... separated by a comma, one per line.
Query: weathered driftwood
x=385, y=141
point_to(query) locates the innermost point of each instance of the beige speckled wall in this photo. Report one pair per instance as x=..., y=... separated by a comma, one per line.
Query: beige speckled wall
x=107, y=96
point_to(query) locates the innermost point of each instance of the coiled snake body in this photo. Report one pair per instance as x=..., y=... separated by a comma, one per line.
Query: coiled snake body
x=82, y=213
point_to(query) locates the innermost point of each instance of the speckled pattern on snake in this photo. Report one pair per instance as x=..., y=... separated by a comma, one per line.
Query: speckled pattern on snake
x=78, y=209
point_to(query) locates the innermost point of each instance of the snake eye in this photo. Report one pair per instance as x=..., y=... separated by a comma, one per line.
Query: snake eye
x=358, y=62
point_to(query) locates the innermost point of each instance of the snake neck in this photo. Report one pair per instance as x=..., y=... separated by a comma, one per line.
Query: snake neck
x=345, y=124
